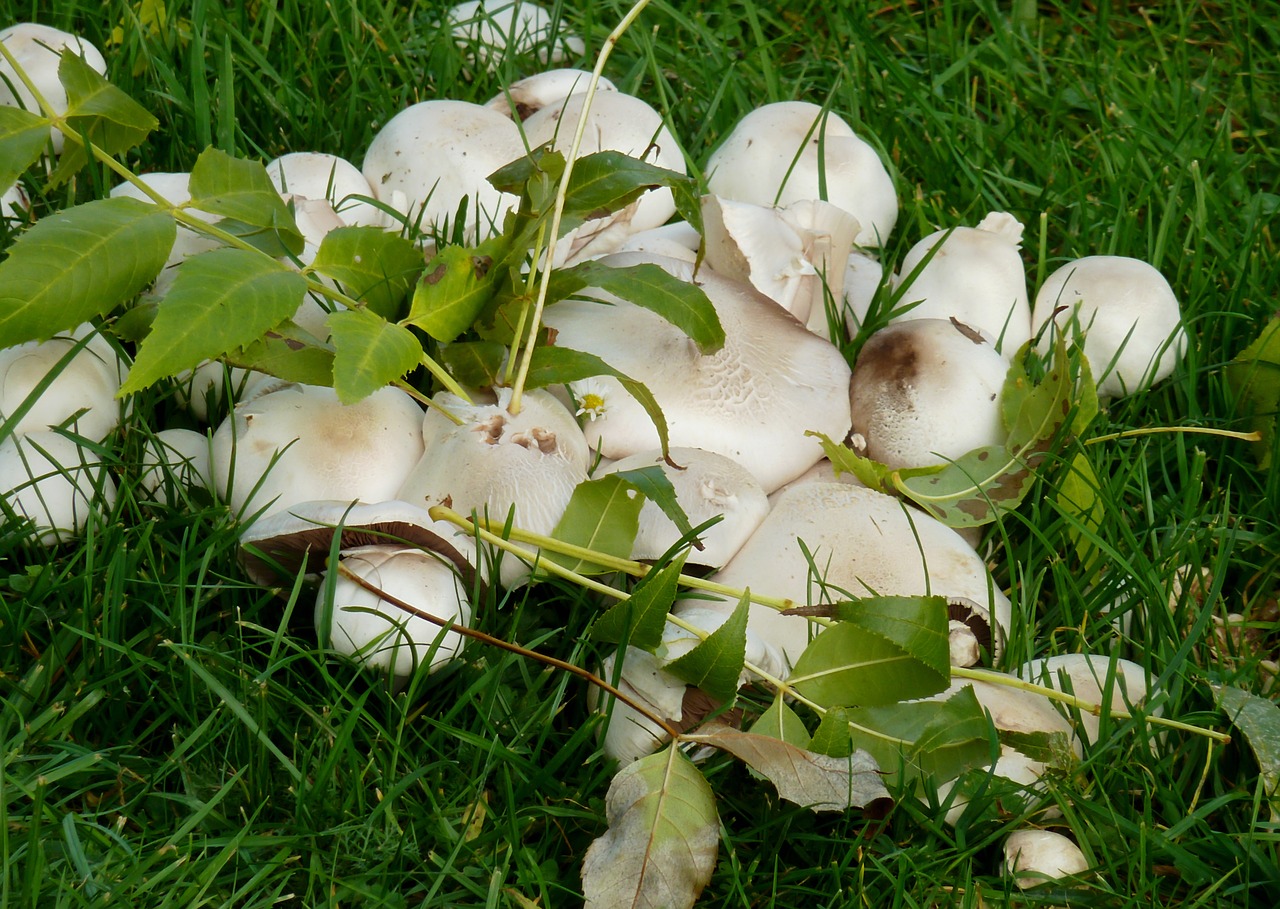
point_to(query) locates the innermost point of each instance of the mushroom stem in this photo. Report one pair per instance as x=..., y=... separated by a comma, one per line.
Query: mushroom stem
x=997, y=678
x=463, y=630
x=557, y=212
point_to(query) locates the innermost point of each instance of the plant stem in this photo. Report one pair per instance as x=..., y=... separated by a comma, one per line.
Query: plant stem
x=1158, y=430
x=562, y=191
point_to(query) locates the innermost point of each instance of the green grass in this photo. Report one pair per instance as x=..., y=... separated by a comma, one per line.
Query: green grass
x=171, y=735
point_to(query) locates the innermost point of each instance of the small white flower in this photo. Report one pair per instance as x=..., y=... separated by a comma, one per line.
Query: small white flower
x=593, y=400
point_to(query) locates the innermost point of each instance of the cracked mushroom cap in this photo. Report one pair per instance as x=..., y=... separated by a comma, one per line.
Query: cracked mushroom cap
x=975, y=275
x=751, y=401
x=782, y=152
x=429, y=156
x=707, y=485
x=1128, y=314
x=863, y=542
x=298, y=443
x=38, y=50
x=525, y=97
x=926, y=392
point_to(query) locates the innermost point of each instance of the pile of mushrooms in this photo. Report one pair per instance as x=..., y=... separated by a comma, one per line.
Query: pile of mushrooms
x=311, y=478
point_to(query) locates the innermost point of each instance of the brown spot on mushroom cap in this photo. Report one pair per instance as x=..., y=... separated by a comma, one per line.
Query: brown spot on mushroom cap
x=891, y=360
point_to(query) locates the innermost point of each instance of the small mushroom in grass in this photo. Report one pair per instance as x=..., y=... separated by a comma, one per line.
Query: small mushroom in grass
x=790, y=151
x=926, y=392
x=525, y=97
x=429, y=156
x=751, y=401
x=1034, y=857
x=38, y=50
x=491, y=29
x=707, y=485
x=298, y=443
x=82, y=394
x=176, y=459
x=975, y=275
x=1127, y=313
x=1113, y=683
x=55, y=482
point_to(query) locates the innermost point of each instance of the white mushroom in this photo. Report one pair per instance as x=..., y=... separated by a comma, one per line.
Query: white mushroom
x=38, y=50
x=925, y=392
x=82, y=395
x=1087, y=676
x=173, y=460
x=492, y=29
x=975, y=275
x=783, y=152
x=1127, y=313
x=677, y=240
x=328, y=182
x=429, y=156
x=1033, y=857
x=48, y=478
x=525, y=97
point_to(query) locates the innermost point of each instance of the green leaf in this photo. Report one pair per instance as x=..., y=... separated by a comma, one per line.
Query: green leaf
x=655, y=485
x=779, y=721
x=1258, y=720
x=939, y=739
x=818, y=782
x=660, y=848
x=374, y=265
x=475, y=364
x=832, y=737
x=560, y=366
x=1254, y=377
x=603, y=515
x=289, y=353
x=641, y=618
x=454, y=289
x=220, y=300
x=1076, y=495
x=370, y=353
x=98, y=111
x=79, y=263
x=847, y=665
x=23, y=138
x=715, y=664
x=918, y=625
x=682, y=303
x=514, y=178
x=608, y=181
x=242, y=190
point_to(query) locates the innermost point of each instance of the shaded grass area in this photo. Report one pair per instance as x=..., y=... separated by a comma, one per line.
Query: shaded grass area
x=172, y=736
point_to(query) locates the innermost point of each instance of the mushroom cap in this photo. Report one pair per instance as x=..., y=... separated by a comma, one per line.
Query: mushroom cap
x=1128, y=313
x=299, y=443
x=976, y=275
x=496, y=461
x=377, y=633
x=83, y=393
x=1085, y=675
x=707, y=485
x=926, y=392
x=677, y=240
x=38, y=49
x=1033, y=857
x=429, y=156
x=14, y=204
x=173, y=459
x=48, y=478
x=772, y=155
x=525, y=97
x=751, y=401
x=323, y=178
x=490, y=29
x=863, y=275
x=863, y=542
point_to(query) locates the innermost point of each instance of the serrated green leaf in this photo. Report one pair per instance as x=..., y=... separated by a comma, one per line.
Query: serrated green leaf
x=475, y=364
x=660, y=848
x=374, y=265
x=1254, y=377
x=715, y=664
x=455, y=288
x=938, y=739
x=685, y=305
x=607, y=181
x=287, y=352
x=23, y=138
x=514, y=178
x=832, y=737
x=560, y=366
x=79, y=263
x=779, y=721
x=1258, y=719
x=370, y=353
x=602, y=515
x=242, y=191
x=98, y=111
x=655, y=485
x=644, y=612
x=847, y=665
x=918, y=625
x=220, y=300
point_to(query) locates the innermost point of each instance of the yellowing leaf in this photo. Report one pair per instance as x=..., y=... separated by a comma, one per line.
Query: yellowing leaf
x=660, y=848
